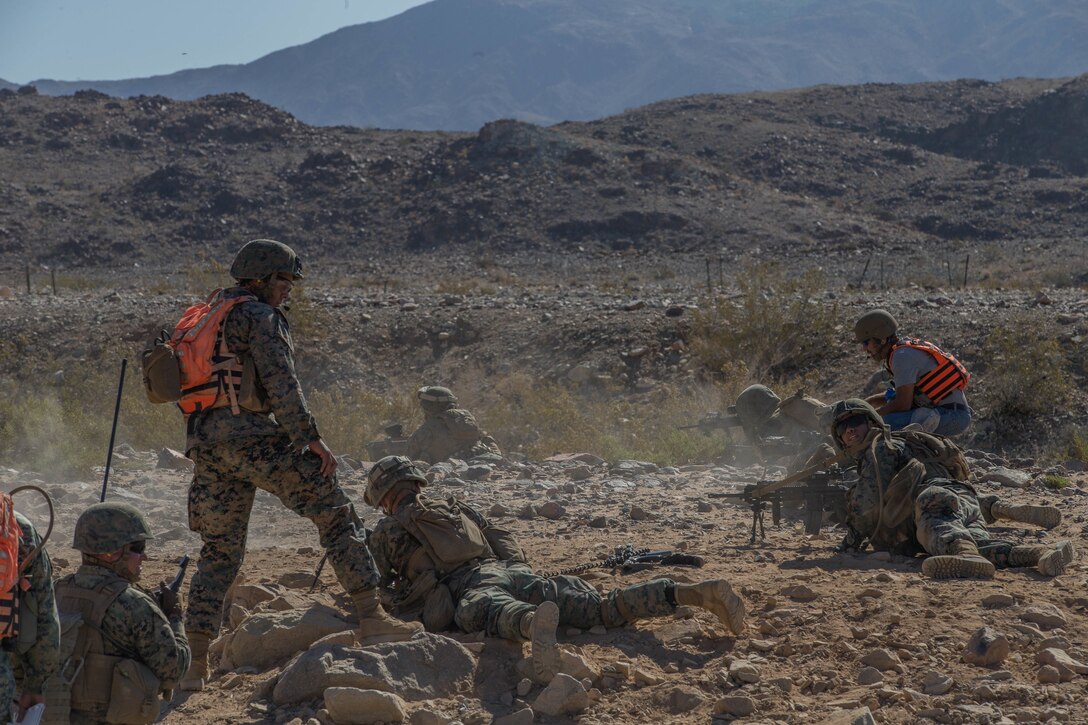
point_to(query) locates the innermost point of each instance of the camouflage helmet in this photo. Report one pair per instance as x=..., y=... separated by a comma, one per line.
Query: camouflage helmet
x=875, y=323
x=435, y=394
x=848, y=408
x=263, y=257
x=756, y=404
x=106, y=527
x=387, y=473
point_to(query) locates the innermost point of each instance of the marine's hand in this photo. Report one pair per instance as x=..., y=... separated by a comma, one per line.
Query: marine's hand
x=28, y=700
x=168, y=601
x=328, y=460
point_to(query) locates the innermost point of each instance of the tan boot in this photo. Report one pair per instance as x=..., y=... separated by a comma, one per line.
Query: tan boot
x=539, y=628
x=196, y=676
x=1054, y=561
x=964, y=563
x=375, y=624
x=715, y=596
x=1045, y=516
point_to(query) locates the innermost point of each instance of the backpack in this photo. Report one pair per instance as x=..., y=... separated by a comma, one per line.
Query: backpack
x=932, y=449
x=448, y=535
x=192, y=366
x=10, y=571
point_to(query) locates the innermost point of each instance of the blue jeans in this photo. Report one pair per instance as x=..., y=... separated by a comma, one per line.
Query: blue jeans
x=953, y=422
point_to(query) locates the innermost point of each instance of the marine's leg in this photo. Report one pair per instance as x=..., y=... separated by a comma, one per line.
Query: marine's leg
x=993, y=509
x=941, y=515
x=297, y=481
x=220, y=499
x=953, y=422
x=898, y=421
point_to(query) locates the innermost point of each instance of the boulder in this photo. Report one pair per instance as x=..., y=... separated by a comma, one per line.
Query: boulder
x=352, y=706
x=265, y=638
x=986, y=648
x=1047, y=616
x=860, y=716
x=425, y=667
x=735, y=705
x=171, y=460
x=1008, y=477
x=564, y=695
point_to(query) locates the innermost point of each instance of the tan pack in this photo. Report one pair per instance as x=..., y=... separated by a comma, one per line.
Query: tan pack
x=449, y=536
x=936, y=453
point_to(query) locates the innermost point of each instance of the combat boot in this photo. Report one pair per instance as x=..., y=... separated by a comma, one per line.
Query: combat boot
x=197, y=675
x=963, y=563
x=715, y=596
x=1045, y=516
x=375, y=625
x=1054, y=561
x=539, y=628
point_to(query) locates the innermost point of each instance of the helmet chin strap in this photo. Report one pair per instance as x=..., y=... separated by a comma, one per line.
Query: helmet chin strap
x=114, y=562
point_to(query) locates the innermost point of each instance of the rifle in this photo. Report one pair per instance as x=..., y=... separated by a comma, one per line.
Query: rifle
x=630, y=559
x=713, y=421
x=179, y=579
x=824, y=486
x=394, y=443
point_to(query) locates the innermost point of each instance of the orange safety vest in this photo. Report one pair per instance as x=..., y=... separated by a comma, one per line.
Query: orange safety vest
x=949, y=375
x=10, y=571
x=211, y=374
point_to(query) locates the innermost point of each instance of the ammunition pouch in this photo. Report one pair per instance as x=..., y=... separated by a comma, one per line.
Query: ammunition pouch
x=134, y=694
x=438, y=609
x=251, y=394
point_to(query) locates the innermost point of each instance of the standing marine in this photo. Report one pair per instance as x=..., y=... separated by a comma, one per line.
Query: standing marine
x=128, y=647
x=928, y=384
x=912, y=497
x=33, y=641
x=448, y=431
x=464, y=570
x=259, y=433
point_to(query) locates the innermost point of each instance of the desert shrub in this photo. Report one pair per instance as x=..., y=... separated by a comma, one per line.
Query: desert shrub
x=774, y=328
x=1055, y=482
x=348, y=420
x=1078, y=445
x=1027, y=373
x=540, y=419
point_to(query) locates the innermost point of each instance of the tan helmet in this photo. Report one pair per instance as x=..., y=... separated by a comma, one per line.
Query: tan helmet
x=848, y=408
x=877, y=324
x=387, y=473
x=756, y=404
x=263, y=257
x=436, y=394
x=106, y=527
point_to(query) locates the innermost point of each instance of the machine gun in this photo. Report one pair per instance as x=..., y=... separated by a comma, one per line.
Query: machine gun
x=823, y=487
x=713, y=421
x=394, y=443
x=629, y=559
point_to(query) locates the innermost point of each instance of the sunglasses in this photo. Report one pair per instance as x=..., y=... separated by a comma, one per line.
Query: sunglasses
x=137, y=547
x=851, y=422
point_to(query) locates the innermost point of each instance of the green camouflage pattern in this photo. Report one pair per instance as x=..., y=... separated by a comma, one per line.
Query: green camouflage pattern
x=263, y=257
x=436, y=394
x=37, y=651
x=136, y=628
x=261, y=332
x=756, y=404
x=220, y=499
x=947, y=511
x=493, y=596
x=387, y=473
x=452, y=433
x=106, y=527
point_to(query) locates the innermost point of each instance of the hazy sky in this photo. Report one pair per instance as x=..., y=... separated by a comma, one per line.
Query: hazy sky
x=113, y=39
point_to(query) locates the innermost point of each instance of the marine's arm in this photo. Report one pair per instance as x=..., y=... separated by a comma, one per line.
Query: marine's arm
x=263, y=332
x=134, y=621
x=41, y=659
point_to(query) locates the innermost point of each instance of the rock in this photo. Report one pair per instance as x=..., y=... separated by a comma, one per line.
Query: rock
x=1060, y=660
x=579, y=473
x=783, y=683
x=860, y=716
x=427, y=717
x=735, y=705
x=870, y=676
x=172, y=460
x=883, y=660
x=986, y=648
x=577, y=666
x=266, y=638
x=638, y=513
x=498, y=510
x=799, y=592
x=685, y=699
x=525, y=686
x=744, y=671
x=936, y=683
x=870, y=593
x=521, y=717
x=564, y=695
x=998, y=601
x=1047, y=616
x=528, y=511
x=1049, y=675
x=352, y=706
x=1008, y=477
x=422, y=668
x=477, y=472
x=551, y=510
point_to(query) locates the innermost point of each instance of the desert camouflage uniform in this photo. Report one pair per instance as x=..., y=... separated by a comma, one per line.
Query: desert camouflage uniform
x=493, y=596
x=38, y=645
x=133, y=627
x=236, y=454
x=451, y=433
x=923, y=509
